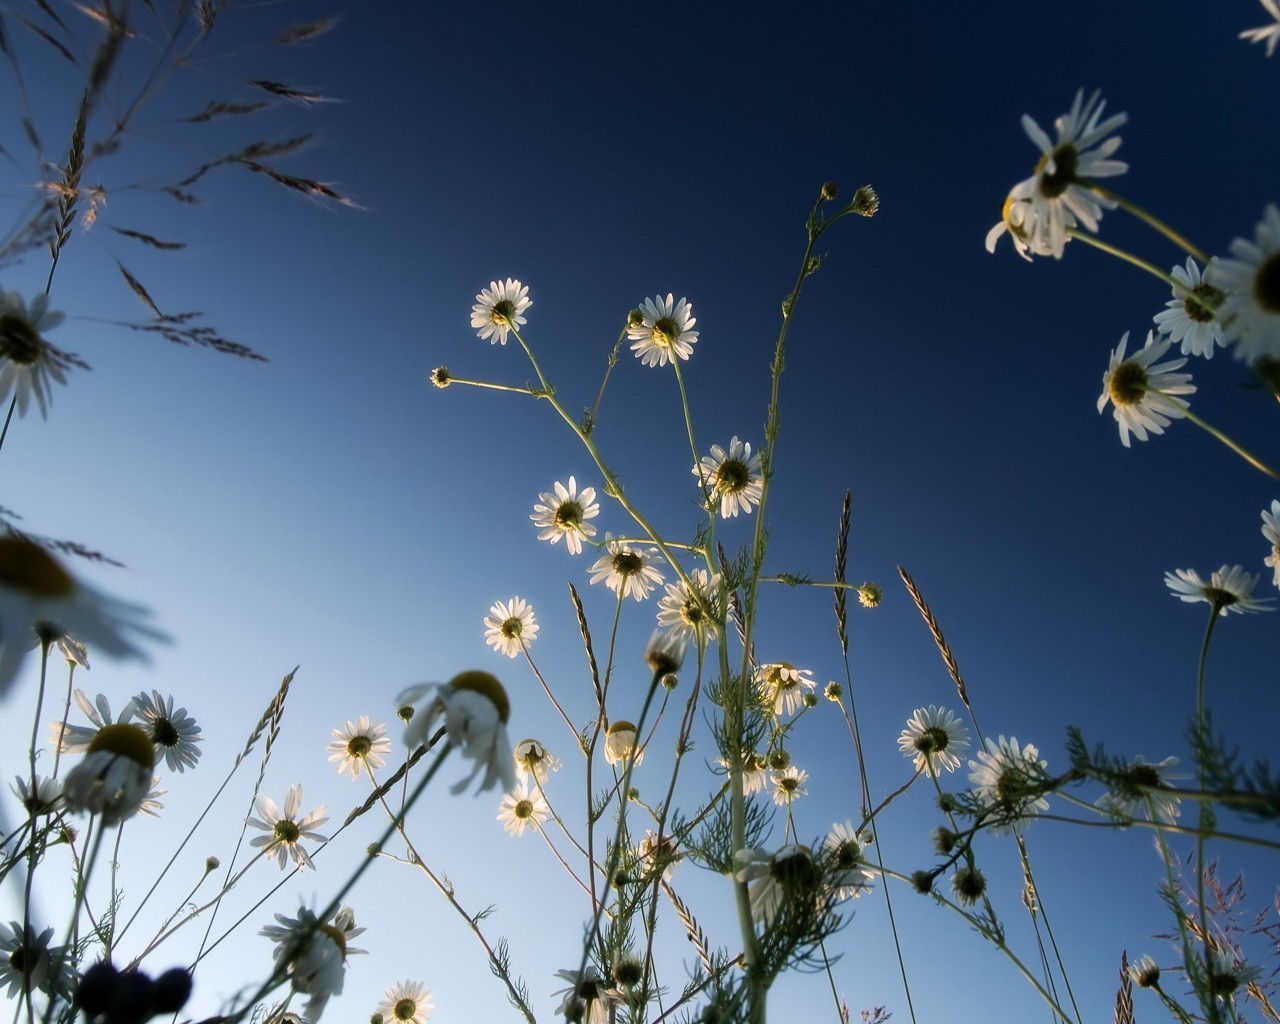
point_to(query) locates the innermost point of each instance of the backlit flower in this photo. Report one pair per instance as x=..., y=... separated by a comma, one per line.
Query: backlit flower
x=734, y=477
x=783, y=686
x=1229, y=589
x=620, y=743
x=788, y=784
x=1190, y=316
x=69, y=738
x=1270, y=34
x=564, y=513
x=934, y=736
x=114, y=778
x=29, y=964
x=775, y=880
x=1271, y=533
x=654, y=854
x=587, y=1000
x=41, y=800
x=499, y=309
x=1138, y=794
x=850, y=874
x=314, y=953
x=664, y=331
x=407, y=1003
x=1250, y=314
x=531, y=758
x=1145, y=972
x=691, y=609
x=627, y=569
x=28, y=363
x=174, y=733
x=1009, y=779
x=511, y=626
x=285, y=830
x=362, y=743
x=1138, y=388
x=522, y=807
x=1228, y=974
x=475, y=709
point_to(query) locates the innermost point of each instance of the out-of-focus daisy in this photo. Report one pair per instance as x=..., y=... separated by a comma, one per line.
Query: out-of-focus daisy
x=1015, y=218
x=1008, y=778
x=587, y=1000
x=1271, y=533
x=1250, y=314
x=665, y=654
x=362, y=742
x=28, y=363
x=531, y=758
x=934, y=735
x=1229, y=589
x=29, y=964
x=37, y=593
x=510, y=626
x=1059, y=194
x=314, y=953
x=1190, y=316
x=620, y=742
x=1145, y=972
x=475, y=709
x=850, y=875
x=654, y=854
x=115, y=776
x=285, y=830
x=499, y=309
x=663, y=331
x=776, y=879
x=733, y=477
x=691, y=609
x=564, y=513
x=43, y=799
x=627, y=569
x=523, y=807
x=788, y=784
x=1228, y=974
x=783, y=686
x=1270, y=34
x=174, y=733
x=755, y=772
x=69, y=738
x=1138, y=794
x=74, y=652
x=1138, y=389
x=151, y=802
x=407, y=1003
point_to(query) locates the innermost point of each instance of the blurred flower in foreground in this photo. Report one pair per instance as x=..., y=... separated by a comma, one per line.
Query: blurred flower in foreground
x=1228, y=973
x=564, y=513
x=114, y=779
x=531, y=758
x=285, y=831
x=475, y=709
x=315, y=953
x=511, y=626
x=665, y=652
x=1138, y=390
x=587, y=1000
x=38, y=597
x=407, y=1003
x=620, y=743
x=1229, y=589
x=690, y=609
x=663, y=332
x=1007, y=779
x=775, y=879
x=362, y=742
x=27, y=961
x=521, y=808
x=850, y=875
x=1271, y=533
x=1267, y=33
x=27, y=362
x=1251, y=311
x=783, y=686
x=175, y=733
x=626, y=569
x=499, y=308
x=1190, y=316
x=1125, y=797
x=734, y=477
x=934, y=735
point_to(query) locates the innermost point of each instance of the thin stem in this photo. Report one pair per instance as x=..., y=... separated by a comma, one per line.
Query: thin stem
x=1128, y=257
x=1149, y=219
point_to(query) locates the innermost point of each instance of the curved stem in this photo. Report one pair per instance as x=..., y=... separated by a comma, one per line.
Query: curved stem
x=1149, y=219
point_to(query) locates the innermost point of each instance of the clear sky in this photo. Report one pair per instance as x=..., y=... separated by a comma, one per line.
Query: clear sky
x=329, y=509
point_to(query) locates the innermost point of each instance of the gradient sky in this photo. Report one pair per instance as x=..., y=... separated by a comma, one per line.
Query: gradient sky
x=331, y=510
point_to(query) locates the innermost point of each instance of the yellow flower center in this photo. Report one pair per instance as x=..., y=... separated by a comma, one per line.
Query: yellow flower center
x=1128, y=383
x=523, y=809
x=511, y=628
x=627, y=563
x=125, y=740
x=502, y=312
x=486, y=685
x=665, y=331
x=359, y=746
x=406, y=1009
x=568, y=515
x=27, y=566
x=287, y=832
x=732, y=476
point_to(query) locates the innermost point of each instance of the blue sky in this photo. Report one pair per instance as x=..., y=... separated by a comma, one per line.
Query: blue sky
x=330, y=509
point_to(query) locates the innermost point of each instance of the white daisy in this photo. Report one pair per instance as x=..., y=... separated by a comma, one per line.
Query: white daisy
x=69, y=738
x=41, y=800
x=1228, y=974
x=285, y=830
x=37, y=592
x=1271, y=533
x=315, y=954
x=850, y=874
x=1007, y=778
x=620, y=743
x=28, y=363
x=151, y=802
x=783, y=686
x=1016, y=218
x=627, y=569
x=755, y=772
x=775, y=879
x=734, y=477
x=1270, y=34
x=475, y=709
x=499, y=309
x=1132, y=797
x=407, y=1003
x=531, y=758
x=934, y=735
x=665, y=654
x=511, y=626
x=1229, y=589
x=564, y=513
x=1145, y=972
x=663, y=332
x=27, y=962
x=174, y=733
x=115, y=777
x=587, y=1000
x=1190, y=316
x=1251, y=311
x=692, y=609
x=74, y=652
x=654, y=854
x=1138, y=390
x=362, y=742
x=788, y=784
x=523, y=807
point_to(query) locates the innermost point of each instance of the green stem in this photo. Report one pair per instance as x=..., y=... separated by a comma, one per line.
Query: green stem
x=1128, y=257
x=1149, y=219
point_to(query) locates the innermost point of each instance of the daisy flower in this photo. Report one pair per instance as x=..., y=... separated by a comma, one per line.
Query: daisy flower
x=1228, y=974
x=1190, y=316
x=1271, y=533
x=774, y=880
x=407, y=1003
x=665, y=654
x=1060, y=194
x=783, y=686
x=285, y=831
x=531, y=758
x=1007, y=779
x=755, y=772
x=36, y=591
x=1133, y=794
x=362, y=742
x=850, y=875
x=67, y=738
x=151, y=802
x=1145, y=972
x=734, y=477
x=475, y=709
x=654, y=854
x=174, y=733
x=115, y=777
x=1270, y=34
x=315, y=954
x=934, y=736
x=692, y=609
x=500, y=309
x=620, y=743
x=663, y=331
x=1228, y=590
x=28, y=963
x=28, y=363
x=511, y=626
x=1015, y=220
x=1138, y=389
x=521, y=808
x=788, y=784
x=587, y=1000
x=564, y=513
x=42, y=800
x=627, y=569
x=1251, y=311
